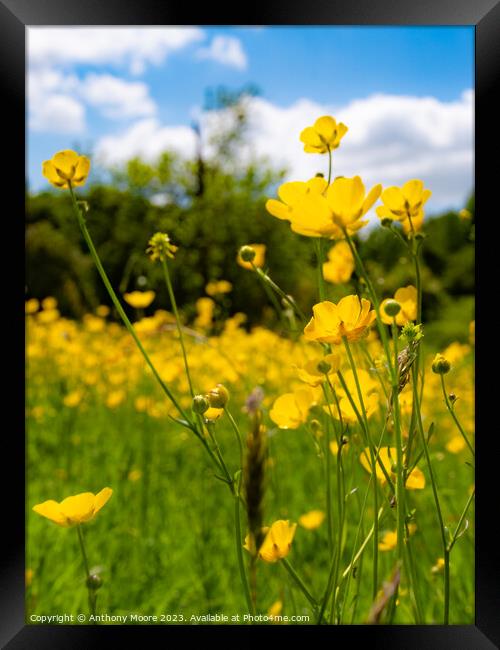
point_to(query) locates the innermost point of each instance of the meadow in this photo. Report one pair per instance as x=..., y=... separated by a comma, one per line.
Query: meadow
x=321, y=469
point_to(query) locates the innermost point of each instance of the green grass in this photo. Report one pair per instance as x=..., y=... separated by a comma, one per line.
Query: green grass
x=164, y=544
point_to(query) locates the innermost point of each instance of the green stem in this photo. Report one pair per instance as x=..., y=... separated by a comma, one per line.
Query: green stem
x=328, y=476
x=434, y=490
x=460, y=521
x=117, y=304
x=239, y=551
x=238, y=434
x=300, y=584
x=91, y=592
x=210, y=429
x=288, y=299
x=374, y=298
x=318, y=242
x=451, y=410
x=400, y=490
x=173, y=302
x=373, y=463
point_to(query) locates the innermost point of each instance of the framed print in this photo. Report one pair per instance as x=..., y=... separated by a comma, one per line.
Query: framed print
x=251, y=266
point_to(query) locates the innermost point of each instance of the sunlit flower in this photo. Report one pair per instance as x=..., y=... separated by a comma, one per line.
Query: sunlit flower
x=340, y=265
x=407, y=299
x=139, y=299
x=293, y=199
x=316, y=210
x=387, y=455
x=312, y=520
x=289, y=411
x=66, y=167
x=213, y=413
x=258, y=259
x=278, y=541
x=323, y=136
x=405, y=204
x=351, y=318
x=74, y=510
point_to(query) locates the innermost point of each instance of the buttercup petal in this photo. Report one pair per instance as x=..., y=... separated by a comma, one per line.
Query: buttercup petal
x=101, y=498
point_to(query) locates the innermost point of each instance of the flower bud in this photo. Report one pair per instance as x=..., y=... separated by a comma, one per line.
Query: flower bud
x=324, y=367
x=386, y=222
x=218, y=397
x=200, y=404
x=247, y=253
x=94, y=582
x=392, y=308
x=452, y=397
x=440, y=365
x=315, y=427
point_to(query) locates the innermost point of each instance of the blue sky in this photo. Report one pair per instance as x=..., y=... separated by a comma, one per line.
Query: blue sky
x=123, y=92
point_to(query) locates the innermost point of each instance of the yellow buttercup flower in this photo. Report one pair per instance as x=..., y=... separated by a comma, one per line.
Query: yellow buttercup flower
x=312, y=520
x=74, y=510
x=351, y=318
x=278, y=541
x=407, y=299
x=293, y=201
x=405, y=204
x=66, y=167
x=213, y=413
x=139, y=299
x=314, y=371
x=340, y=265
x=315, y=210
x=325, y=135
x=289, y=411
x=414, y=481
x=259, y=258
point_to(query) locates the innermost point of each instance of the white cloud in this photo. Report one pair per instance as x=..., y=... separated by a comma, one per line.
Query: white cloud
x=52, y=108
x=116, y=97
x=146, y=139
x=59, y=114
x=52, y=92
x=132, y=46
x=391, y=139
x=226, y=50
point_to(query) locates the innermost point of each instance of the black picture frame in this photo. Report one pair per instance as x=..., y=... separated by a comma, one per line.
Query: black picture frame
x=15, y=16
